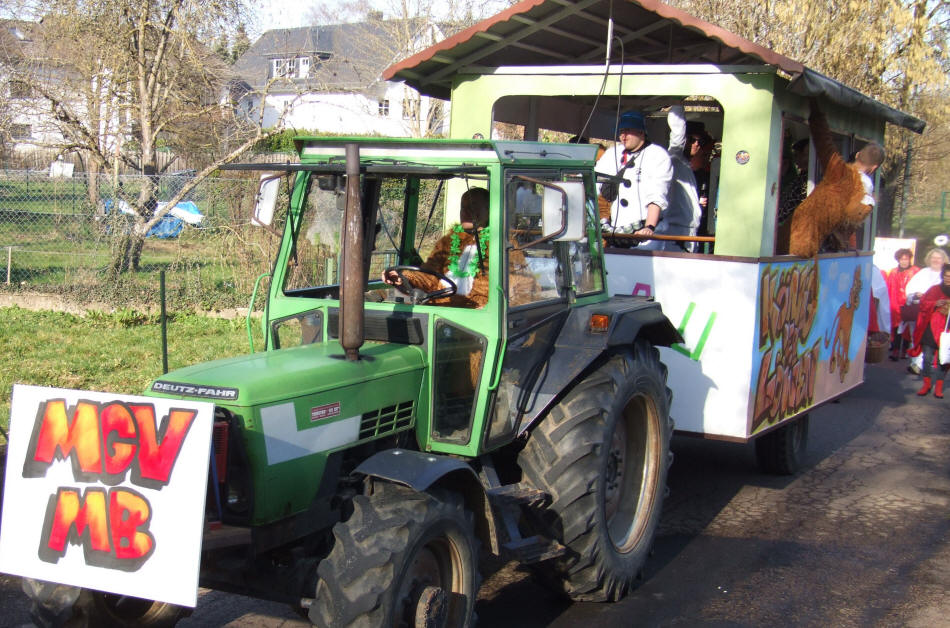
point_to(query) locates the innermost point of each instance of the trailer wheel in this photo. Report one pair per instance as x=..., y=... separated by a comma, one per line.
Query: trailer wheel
x=781, y=451
x=603, y=455
x=403, y=558
x=109, y=610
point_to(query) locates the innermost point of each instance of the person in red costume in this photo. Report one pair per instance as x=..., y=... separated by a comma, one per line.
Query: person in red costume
x=897, y=279
x=931, y=322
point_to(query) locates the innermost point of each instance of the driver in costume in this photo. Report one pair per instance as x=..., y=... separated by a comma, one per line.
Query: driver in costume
x=461, y=255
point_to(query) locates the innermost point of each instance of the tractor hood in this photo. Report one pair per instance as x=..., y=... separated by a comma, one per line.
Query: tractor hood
x=272, y=376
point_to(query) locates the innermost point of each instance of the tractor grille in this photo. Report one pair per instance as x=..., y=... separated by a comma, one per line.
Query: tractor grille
x=387, y=420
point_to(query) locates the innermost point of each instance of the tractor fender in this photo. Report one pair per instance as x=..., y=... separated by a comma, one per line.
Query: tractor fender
x=578, y=347
x=421, y=471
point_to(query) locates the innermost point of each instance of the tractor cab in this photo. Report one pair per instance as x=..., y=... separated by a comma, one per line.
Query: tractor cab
x=482, y=302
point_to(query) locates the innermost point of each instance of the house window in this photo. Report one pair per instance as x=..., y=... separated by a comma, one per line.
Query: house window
x=291, y=67
x=410, y=109
x=20, y=89
x=284, y=68
x=384, y=108
x=21, y=131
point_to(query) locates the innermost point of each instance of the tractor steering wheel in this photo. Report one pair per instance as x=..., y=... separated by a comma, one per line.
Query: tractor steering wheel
x=416, y=294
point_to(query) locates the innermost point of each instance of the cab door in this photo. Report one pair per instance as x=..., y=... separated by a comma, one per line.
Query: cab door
x=543, y=278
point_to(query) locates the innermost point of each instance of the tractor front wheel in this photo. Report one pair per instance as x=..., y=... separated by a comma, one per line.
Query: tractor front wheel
x=110, y=610
x=403, y=558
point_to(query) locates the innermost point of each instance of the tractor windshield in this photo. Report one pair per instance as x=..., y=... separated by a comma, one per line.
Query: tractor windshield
x=403, y=215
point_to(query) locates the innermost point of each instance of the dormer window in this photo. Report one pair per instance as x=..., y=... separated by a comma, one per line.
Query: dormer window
x=290, y=67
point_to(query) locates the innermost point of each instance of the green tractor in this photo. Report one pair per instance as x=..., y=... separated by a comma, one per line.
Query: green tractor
x=502, y=402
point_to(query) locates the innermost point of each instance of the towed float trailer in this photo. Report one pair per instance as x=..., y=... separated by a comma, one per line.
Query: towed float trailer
x=767, y=337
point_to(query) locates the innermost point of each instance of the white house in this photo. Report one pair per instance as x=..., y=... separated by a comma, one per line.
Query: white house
x=25, y=116
x=327, y=79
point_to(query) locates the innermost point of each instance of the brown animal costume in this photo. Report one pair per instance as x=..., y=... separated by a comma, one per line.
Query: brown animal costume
x=835, y=204
x=439, y=260
x=447, y=253
x=446, y=256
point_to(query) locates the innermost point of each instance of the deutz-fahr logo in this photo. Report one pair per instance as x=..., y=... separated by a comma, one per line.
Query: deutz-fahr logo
x=190, y=390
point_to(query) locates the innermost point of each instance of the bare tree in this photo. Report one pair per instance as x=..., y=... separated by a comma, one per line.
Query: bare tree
x=893, y=50
x=121, y=78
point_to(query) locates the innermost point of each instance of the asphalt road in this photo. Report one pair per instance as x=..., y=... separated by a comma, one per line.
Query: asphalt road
x=860, y=537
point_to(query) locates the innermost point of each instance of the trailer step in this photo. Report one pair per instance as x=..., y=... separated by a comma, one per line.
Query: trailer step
x=518, y=494
x=534, y=549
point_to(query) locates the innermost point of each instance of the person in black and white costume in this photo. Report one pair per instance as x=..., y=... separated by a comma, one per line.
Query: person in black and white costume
x=646, y=170
x=643, y=203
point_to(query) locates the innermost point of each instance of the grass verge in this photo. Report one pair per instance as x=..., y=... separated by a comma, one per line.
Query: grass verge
x=118, y=352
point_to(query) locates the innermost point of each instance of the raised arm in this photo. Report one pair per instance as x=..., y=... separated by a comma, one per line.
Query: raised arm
x=821, y=135
x=676, y=119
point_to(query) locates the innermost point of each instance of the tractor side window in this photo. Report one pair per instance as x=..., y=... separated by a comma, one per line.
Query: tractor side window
x=533, y=267
x=585, y=255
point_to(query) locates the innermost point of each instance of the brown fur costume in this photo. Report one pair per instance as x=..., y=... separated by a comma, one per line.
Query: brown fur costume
x=521, y=283
x=835, y=203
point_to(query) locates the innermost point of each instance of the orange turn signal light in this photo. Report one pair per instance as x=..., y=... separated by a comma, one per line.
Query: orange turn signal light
x=599, y=322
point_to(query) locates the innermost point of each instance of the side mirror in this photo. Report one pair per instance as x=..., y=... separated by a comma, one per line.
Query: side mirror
x=563, y=211
x=266, y=200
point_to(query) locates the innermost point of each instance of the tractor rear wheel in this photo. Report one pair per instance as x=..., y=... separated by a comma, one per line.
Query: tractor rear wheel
x=603, y=455
x=403, y=558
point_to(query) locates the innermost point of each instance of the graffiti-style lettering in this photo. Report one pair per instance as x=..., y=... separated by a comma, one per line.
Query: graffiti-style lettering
x=118, y=430
x=787, y=297
x=57, y=438
x=103, y=441
x=788, y=304
x=114, y=536
x=158, y=451
x=129, y=515
x=787, y=388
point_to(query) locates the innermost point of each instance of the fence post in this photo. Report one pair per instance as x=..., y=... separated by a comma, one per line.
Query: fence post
x=161, y=289
x=9, y=260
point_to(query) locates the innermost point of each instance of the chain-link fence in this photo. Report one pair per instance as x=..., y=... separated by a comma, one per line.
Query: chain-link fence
x=58, y=237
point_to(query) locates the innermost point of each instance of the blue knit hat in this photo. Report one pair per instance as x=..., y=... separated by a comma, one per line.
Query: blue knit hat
x=632, y=120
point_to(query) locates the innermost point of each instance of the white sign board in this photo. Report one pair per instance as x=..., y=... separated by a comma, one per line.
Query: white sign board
x=61, y=170
x=885, y=248
x=713, y=306
x=106, y=491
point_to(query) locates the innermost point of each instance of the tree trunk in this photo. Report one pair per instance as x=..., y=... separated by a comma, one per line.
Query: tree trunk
x=92, y=187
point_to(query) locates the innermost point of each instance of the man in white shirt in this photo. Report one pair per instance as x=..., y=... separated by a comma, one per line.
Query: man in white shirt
x=646, y=172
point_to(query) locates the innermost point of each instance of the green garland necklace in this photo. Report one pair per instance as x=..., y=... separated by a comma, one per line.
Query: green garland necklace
x=456, y=249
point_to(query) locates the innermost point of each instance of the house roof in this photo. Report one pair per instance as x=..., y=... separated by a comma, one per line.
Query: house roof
x=574, y=32
x=346, y=57
x=18, y=40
